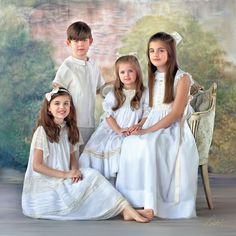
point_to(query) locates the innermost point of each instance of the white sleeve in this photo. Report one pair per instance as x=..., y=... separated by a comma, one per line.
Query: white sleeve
x=63, y=76
x=40, y=141
x=108, y=103
x=180, y=75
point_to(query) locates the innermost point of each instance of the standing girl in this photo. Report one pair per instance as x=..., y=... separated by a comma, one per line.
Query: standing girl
x=54, y=187
x=124, y=109
x=158, y=167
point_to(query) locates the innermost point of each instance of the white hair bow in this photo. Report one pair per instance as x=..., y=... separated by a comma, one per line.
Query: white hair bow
x=48, y=96
x=178, y=38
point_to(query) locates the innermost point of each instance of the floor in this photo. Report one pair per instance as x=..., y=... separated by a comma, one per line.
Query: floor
x=221, y=221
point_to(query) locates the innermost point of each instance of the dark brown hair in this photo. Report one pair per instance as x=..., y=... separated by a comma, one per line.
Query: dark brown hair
x=78, y=31
x=118, y=86
x=172, y=66
x=52, y=130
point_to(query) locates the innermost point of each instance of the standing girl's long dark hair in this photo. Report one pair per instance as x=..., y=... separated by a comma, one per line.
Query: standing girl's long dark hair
x=170, y=45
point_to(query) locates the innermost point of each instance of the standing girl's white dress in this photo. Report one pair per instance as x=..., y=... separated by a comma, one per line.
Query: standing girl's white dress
x=60, y=199
x=159, y=170
x=102, y=151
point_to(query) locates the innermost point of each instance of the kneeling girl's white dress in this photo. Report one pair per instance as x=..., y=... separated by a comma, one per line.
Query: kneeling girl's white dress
x=102, y=152
x=60, y=199
x=159, y=170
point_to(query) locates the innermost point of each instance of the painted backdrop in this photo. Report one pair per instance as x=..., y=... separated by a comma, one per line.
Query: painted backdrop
x=32, y=46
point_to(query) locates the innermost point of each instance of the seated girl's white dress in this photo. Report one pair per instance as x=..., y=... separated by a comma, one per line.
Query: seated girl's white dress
x=60, y=199
x=159, y=170
x=102, y=152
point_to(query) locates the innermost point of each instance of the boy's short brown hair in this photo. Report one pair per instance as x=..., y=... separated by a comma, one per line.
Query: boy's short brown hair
x=79, y=31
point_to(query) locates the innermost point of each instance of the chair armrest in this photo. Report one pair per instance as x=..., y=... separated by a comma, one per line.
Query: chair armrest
x=202, y=125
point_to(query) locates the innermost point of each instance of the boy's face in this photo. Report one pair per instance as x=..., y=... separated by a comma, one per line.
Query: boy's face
x=80, y=48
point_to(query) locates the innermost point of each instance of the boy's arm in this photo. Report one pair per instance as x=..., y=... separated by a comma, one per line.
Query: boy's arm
x=63, y=77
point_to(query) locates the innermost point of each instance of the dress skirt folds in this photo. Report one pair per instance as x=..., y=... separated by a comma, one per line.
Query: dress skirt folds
x=102, y=152
x=60, y=199
x=159, y=170
x=92, y=198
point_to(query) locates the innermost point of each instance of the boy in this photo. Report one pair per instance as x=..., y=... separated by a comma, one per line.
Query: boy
x=81, y=77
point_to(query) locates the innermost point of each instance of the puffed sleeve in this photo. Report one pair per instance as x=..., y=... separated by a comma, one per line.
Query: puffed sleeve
x=180, y=74
x=188, y=109
x=108, y=103
x=40, y=141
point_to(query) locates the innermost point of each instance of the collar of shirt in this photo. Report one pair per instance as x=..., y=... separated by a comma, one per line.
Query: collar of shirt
x=78, y=61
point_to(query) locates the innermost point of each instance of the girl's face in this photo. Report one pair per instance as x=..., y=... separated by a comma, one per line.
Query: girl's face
x=60, y=108
x=158, y=55
x=80, y=48
x=127, y=75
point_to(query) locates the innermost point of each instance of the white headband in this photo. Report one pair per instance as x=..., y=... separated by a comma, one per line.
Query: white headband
x=49, y=95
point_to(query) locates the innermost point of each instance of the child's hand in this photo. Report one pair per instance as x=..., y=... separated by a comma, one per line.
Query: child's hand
x=124, y=131
x=134, y=128
x=139, y=132
x=75, y=175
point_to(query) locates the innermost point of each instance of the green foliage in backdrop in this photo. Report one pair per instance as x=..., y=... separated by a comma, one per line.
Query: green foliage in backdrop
x=26, y=70
x=29, y=3
x=200, y=54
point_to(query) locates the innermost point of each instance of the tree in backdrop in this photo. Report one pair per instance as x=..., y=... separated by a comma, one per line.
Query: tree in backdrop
x=26, y=70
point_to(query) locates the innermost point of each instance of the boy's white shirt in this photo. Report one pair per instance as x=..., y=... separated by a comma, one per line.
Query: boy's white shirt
x=82, y=79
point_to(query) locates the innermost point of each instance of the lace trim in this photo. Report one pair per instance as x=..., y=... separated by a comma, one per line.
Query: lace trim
x=102, y=155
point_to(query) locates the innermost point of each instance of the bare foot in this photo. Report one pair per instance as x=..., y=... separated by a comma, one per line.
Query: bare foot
x=131, y=214
x=147, y=213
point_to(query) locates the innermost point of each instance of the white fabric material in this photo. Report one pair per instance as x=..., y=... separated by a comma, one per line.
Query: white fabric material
x=102, y=151
x=82, y=79
x=159, y=170
x=86, y=134
x=59, y=199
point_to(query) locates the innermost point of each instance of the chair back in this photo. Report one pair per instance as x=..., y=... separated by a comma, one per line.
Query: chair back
x=106, y=88
x=202, y=120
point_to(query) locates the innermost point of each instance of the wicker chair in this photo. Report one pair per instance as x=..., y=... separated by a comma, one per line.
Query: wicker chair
x=201, y=123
